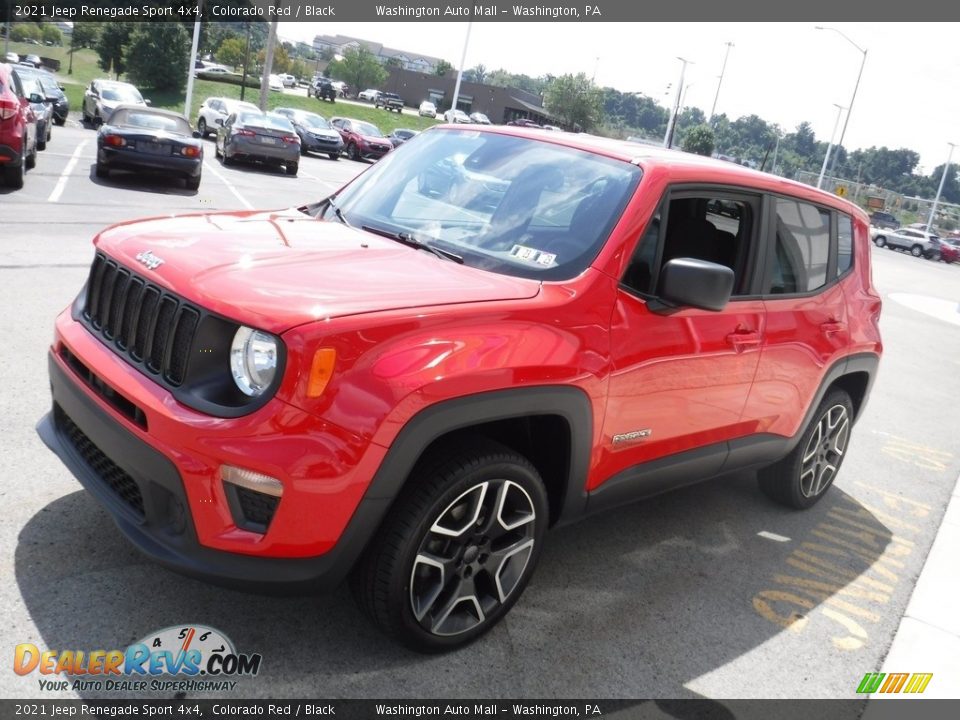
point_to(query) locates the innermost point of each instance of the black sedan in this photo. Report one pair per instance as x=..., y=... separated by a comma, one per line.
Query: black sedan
x=139, y=138
x=316, y=134
x=400, y=136
x=56, y=97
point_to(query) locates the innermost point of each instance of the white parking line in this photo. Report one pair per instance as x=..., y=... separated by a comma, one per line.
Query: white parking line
x=773, y=536
x=64, y=176
x=230, y=187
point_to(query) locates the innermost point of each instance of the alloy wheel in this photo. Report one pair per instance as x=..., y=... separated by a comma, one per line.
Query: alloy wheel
x=824, y=451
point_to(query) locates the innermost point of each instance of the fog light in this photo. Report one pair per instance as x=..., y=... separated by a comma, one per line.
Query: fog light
x=258, y=482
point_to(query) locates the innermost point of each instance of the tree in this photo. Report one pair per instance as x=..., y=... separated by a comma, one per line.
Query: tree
x=85, y=35
x=281, y=60
x=359, y=69
x=476, y=74
x=231, y=51
x=114, y=38
x=575, y=101
x=51, y=34
x=21, y=31
x=442, y=68
x=158, y=56
x=699, y=140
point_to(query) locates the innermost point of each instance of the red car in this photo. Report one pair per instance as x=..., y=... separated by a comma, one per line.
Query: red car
x=949, y=249
x=361, y=140
x=411, y=380
x=18, y=129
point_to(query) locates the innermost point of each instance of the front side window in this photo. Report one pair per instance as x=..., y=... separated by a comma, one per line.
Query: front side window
x=801, y=248
x=511, y=205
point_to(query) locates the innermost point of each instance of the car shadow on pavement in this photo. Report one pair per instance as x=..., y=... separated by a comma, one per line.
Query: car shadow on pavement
x=144, y=182
x=638, y=602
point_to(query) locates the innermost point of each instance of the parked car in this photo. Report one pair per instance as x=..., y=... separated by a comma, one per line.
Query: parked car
x=288, y=80
x=18, y=129
x=12, y=58
x=316, y=134
x=410, y=390
x=400, y=135
x=215, y=110
x=427, y=109
x=479, y=118
x=361, y=140
x=37, y=99
x=103, y=96
x=212, y=72
x=56, y=97
x=34, y=60
x=948, y=250
x=323, y=89
x=456, y=116
x=341, y=87
x=389, y=101
x=369, y=94
x=144, y=139
x=884, y=220
x=524, y=122
x=267, y=138
x=918, y=242
x=275, y=83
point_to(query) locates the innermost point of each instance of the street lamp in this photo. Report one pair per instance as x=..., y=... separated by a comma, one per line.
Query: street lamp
x=723, y=69
x=671, y=125
x=943, y=177
x=826, y=158
x=855, y=87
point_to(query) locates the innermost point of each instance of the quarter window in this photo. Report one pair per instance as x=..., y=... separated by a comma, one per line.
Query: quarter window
x=802, y=248
x=844, y=243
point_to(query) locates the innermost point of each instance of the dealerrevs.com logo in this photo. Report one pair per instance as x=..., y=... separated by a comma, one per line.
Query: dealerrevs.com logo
x=203, y=655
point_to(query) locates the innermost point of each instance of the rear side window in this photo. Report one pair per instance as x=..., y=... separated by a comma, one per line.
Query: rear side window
x=801, y=249
x=844, y=243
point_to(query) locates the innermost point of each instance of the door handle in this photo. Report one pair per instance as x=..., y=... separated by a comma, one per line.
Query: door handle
x=743, y=339
x=832, y=328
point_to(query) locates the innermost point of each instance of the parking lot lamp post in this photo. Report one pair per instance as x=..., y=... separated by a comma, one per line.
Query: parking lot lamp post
x=723, y=69
x=863, y=62
x=246, y=59
x=671, y=124
x=826, y=158
x=191, y=69
x=943, y=178
x=463, y=59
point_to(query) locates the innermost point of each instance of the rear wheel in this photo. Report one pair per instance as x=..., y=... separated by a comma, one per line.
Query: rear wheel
x=879, y=241
x=458, y=549
x=101, y=171
x=916, y=250
x=353, y=152
x=292, y=169
x=13, y=176
x=805, y=475
x=32, y=157
x=202, y=128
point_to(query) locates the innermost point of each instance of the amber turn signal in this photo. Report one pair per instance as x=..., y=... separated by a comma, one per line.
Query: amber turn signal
x=321, y=370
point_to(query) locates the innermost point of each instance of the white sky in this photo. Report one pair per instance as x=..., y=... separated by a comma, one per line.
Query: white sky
x=783, y=72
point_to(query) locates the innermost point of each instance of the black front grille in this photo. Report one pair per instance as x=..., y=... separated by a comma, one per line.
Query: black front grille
x=145, y=324
x=108, y=471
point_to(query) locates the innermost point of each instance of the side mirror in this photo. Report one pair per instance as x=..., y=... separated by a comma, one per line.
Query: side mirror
x=147, y=102
x=36, y=98
x=218, y=121
x=60, y=85
x=689, y=282
x=196, y=134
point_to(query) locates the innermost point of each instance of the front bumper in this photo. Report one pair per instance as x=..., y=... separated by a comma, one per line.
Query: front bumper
x=160, y=480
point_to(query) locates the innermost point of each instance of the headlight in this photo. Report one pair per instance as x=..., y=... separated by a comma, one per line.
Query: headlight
x=253, y=360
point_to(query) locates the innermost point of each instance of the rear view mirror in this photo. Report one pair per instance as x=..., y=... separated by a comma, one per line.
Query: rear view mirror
x=148, y=102
x=689, y=282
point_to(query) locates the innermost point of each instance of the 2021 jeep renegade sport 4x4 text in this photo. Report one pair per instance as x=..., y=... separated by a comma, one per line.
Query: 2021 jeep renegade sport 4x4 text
x=489, y=332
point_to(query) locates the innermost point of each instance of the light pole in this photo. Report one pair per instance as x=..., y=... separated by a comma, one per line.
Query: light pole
x=720, y=81
x=863, y=62
x=683, y=98
x=671, y=124
x=463, y=59
x=826, y=157
x=943, y=178
x=191, y=70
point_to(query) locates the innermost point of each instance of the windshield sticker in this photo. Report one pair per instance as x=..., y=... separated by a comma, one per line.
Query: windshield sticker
x=521, y=252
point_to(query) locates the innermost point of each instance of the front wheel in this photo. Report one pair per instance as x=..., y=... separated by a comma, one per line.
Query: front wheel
x=880, y=241
x=459, y=548
x=916, y=250
x=353, y=152
x=202, y=128
x=334, y=156
x=803, y=477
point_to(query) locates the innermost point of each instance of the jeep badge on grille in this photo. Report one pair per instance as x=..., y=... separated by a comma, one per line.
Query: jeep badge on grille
x=149, y=259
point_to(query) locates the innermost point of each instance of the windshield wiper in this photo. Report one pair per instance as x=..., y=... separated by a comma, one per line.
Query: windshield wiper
x=410, y=241
x=337, y=211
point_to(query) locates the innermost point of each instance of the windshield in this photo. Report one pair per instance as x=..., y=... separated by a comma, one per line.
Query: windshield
x=150, y=121
x=121, y=94
x=363, y=128
x=510, y=205
x=314, y=121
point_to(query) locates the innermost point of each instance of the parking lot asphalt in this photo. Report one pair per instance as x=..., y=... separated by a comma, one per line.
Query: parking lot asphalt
x=710, y=591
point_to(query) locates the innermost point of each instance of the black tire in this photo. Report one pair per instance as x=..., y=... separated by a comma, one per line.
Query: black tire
x=60, y=121
x=879, y=241
x=303, y=149
x=202, y=128
x=101, y=171
x=334, y=156
x=435, y=585
x=916, y=250
x=13, y=176
x=292, y=169
x=41, y=145
x=804, y=476
x=353, y=153
x=97, y=122
x=31, y=161
x=192, y=183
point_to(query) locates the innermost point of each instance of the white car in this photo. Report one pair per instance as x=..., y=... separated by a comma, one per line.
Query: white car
x=275, y=83
x=918, y=242
x=102, y=96
x=12, y=58
x=369, y=95
x=428, y=109
x=288, y=81
x=456, y=116
x=216, y=109
x=479, y=118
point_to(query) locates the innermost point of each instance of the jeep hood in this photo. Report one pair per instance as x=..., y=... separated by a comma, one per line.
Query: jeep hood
x=276, y=270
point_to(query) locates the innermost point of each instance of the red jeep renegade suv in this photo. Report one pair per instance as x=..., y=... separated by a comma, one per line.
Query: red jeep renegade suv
x=491, y=331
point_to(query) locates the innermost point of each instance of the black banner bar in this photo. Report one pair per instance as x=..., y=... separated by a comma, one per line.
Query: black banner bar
x=455, y=11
